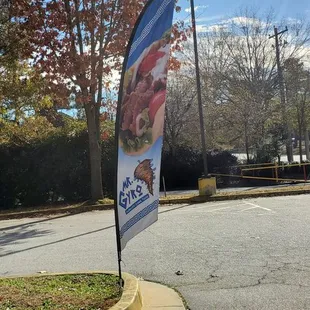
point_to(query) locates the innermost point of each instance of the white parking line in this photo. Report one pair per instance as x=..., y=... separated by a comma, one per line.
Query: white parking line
x=248, y=209
x=191, y=208
x=212, y=205
x=206, y=209
x=230, y=207
x=254, y=206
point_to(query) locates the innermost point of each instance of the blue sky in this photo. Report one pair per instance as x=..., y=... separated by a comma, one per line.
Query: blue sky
x=210, y=12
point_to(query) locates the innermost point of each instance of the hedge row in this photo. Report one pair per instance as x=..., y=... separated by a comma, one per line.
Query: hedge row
x=183, y=170
x=58, y=170
x=49, y=171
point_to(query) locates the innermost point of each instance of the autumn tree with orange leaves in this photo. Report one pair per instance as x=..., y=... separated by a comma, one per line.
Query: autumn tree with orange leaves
x=76, y=45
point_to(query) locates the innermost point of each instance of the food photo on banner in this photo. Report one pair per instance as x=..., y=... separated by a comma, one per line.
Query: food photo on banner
x=140, y=119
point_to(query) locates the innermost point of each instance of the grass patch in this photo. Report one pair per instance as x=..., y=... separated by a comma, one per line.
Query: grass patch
x=63, y=292
x=106, y=201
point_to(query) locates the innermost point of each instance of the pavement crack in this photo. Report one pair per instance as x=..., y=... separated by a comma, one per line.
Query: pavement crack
x=213, y=278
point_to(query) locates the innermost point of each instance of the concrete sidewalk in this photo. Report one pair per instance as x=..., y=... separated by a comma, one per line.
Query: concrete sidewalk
x=157, y=296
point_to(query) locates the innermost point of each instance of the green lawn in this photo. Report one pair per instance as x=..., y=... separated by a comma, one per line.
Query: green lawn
x=80, y=292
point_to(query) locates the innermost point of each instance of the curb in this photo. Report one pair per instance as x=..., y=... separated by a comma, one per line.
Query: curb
x=234, y=196
x=131, y=297
x=53, y=211
x=163, y=201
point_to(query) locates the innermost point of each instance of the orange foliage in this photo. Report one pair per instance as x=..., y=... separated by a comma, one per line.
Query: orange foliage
x=78, y=43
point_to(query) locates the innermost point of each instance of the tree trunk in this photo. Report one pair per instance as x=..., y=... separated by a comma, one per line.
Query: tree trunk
x=94, y=153
x=289, y=147
x=246, y=143
x=300, y=141
x=173, y=146
x=306, y=134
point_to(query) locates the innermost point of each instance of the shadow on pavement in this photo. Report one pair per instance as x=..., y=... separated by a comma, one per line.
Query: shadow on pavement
x=20, y=235
x=7, y=238
x=176, y=208
x=35, y=222
x=55, y=242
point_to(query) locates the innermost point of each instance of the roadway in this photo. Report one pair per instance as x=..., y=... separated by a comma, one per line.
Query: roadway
x=247, y=254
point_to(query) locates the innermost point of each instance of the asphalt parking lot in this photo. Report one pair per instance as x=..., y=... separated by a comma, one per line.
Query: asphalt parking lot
x=242, y=254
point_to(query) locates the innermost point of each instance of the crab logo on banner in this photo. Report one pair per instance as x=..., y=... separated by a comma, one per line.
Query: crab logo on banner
x=140, y=119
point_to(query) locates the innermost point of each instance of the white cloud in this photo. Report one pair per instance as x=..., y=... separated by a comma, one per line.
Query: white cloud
x=216, y=28
x=293, y=21
x=188, y=10
x=225, y=24
x=196, y=8
x=242, y=20
x=213, y=28
x=201, y=28
x=209, y=18
x=206, y=19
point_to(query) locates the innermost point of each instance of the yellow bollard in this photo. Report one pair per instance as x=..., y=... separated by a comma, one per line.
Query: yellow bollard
x=207, y=186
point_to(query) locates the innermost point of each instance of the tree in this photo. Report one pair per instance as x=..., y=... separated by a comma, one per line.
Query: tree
x=297, y=86
x=4, y=23
x=239, y=75
x=11, y=38
x=22, y=97
x=76, y=45
x=181, y=114
x=21, y=92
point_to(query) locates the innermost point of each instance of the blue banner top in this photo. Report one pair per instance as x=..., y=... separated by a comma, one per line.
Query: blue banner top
x=156, y=20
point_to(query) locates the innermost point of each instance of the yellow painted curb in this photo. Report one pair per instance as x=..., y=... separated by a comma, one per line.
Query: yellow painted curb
x=130, y=300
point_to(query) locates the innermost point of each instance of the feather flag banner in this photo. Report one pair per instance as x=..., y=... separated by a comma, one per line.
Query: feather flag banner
x=140, y=120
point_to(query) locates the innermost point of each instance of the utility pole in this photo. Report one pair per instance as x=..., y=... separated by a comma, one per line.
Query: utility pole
x=201, y=119
x=289, y=150
x=306, y=129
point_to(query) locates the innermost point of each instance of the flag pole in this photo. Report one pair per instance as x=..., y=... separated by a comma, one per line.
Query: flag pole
x=118, y=243
x=201, y=118
x=117, y=227
x=117, y=129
